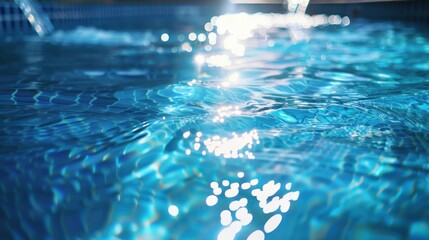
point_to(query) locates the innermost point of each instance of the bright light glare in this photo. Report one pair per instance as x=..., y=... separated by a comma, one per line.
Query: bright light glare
x=242, y=25
x=192, y=36
x=173, y=210
x=232, y=147
x=212, y=38
x=165, y=37
x=270, y=197
x=202, y=37
x=346, y=21
x=233, y=78
x=218, y=61
x=200, y=59
x=231, y=43
x=225, y=112
x=208, y=27
x=186, y=47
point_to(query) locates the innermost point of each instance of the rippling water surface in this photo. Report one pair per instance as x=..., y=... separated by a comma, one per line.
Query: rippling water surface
x=261, y=132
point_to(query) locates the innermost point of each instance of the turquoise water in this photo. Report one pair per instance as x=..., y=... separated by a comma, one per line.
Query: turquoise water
x=273, y=132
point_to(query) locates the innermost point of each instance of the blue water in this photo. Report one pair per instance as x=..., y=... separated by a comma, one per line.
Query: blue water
x=305, y=133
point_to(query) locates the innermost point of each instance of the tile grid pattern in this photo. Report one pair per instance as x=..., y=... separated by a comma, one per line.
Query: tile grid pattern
x=12, y=20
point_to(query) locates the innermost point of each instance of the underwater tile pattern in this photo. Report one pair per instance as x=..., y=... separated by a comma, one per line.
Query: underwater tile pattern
x=272, y=132
x=65, y=16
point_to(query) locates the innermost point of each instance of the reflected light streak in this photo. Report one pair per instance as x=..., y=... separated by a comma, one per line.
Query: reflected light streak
x=200, y=59
x=31, y=18
x=232, y=147
x=241, y=209
x=237, y=27
x=212, y=38
x=231, y=80
x=242, y=25
x=194, y=82
x=218, y=61
x=225, y=112
x=238, y=146
x=231, y=43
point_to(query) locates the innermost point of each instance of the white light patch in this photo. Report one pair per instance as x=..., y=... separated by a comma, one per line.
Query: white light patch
x=186, y=134
x=256, y=235
x=272, y=205
x=165, y=37
x=173, y=210
x=254, y=182
x=231, y=148
x=232, y=192
x=225, y=217
x=234, y=205
x=218, y=61
x=186, y=47
x=199, y=59
x=270, y=188
x=244, y=216
x=38, y=29
x=255, y=192
x=217, y=191
x=292, y=195
x=192, y=36
x=197, y=146
x=212, y=38
x=31, y=18
x=273, y=223
x=284, y=205
x=243, y=202
x=238, y=216
x=229, y=233
x=208, y=27
x=225, y=112
x=211, y=200
x=202, y=37
x=345, y=21
x=246, y=219
x=191, y=83
x=233, y=78
x=241, y=213
x=245, y=186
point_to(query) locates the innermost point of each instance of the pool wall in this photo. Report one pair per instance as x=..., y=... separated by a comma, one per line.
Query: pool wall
x=63, y=16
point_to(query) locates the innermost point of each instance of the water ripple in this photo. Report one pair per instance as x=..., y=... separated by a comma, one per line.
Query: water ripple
x=138, y=136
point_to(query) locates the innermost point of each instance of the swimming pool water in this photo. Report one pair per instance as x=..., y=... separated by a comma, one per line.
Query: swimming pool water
x=265, y=132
